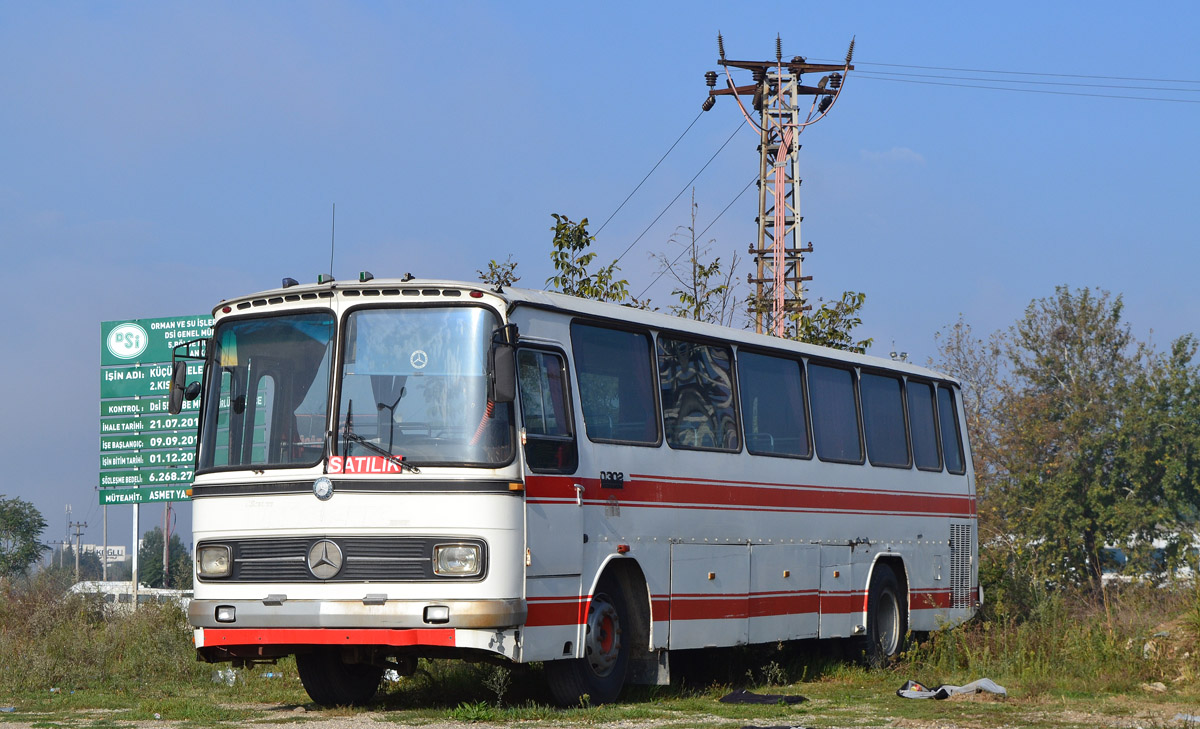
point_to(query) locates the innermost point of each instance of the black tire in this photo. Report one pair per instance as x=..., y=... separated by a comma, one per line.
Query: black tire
x=330, y=681
x=887, y=618
x=600, y=674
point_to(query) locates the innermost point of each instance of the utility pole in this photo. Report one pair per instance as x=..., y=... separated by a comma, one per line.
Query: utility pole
x=78, y=527
x=776, y=93
x=67, y=533
x=166, y=543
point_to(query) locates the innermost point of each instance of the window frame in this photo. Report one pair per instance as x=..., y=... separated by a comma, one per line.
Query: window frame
x=568, y=402
x=937, y=436
x=810, y=362
x=205, y=404
x=802, y=365
x=958, y=430
x=582, y=321
x=336, y=372
x=891, y=375
x=733, y=386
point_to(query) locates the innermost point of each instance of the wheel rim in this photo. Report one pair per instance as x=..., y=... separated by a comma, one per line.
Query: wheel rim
x=887, y=623
x=603, y=635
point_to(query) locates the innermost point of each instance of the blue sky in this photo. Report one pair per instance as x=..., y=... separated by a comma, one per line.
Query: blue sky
x=158, y=157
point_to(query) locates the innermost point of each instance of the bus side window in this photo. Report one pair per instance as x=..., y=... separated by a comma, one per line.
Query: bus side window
x=546, y=413
x=616, y=385
x=951, y=437
x=772, y=398
x=696, y=384
x=922, y=423
x=834, y=414
x=883, y=420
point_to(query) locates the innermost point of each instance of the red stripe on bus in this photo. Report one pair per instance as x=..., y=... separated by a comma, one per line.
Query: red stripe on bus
x=329, y=636
x=547, y=611
x=698, y=493
x=763, y=606
x=927, y=599
x=709, y=607
x=930, y=599
x=703, y=606
x=841, y=603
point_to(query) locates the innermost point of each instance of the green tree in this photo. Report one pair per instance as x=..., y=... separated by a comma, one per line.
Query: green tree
x=1083, y=438
x=500, y=275
x=704, y=291
x=833, y=324
x=150, y=561
x=21, y=524
x=1157, y=457
x=571, y=260
x=62, y=562
x=978, y=364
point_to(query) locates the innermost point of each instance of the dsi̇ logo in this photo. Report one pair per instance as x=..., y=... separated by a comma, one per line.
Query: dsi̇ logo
x=127, y=341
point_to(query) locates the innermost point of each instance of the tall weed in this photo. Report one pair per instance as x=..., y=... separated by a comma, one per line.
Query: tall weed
x=50, y=638
x=1068, y=640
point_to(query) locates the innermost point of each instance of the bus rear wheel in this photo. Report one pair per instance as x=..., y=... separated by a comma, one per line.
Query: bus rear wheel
x=887, y=618
x=330, y=681
x=600, y=674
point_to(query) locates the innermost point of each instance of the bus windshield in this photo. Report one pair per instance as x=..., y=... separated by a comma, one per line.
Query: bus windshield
x=267, y=393
x=414, y=383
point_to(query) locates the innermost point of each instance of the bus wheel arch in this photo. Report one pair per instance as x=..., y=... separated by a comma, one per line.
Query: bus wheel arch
x=887, y=611
x=617, y=633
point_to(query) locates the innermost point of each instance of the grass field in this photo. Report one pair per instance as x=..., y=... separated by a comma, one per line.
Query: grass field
x=1069, y=661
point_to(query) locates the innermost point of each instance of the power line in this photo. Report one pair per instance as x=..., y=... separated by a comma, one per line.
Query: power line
x=700, y=234
x=1034, y=73
x=674, y=199
x=1077, y=84
x=867, y=75
x=651, y=172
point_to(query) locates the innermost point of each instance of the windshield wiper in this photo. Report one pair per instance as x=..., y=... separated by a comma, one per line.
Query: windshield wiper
x=350, y=435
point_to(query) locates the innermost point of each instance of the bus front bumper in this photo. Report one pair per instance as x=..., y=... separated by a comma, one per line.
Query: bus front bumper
x=276, y=611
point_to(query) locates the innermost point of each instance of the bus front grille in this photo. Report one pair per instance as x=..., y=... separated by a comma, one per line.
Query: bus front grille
x=363, y=559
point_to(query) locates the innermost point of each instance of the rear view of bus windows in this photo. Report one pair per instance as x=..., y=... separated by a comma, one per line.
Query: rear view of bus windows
x=951, y=439
x=834, y=414
x=883, y=420
x=772, y=405
x=923, y=425
x=546, y=416
x=696, y=384
x=616, y=384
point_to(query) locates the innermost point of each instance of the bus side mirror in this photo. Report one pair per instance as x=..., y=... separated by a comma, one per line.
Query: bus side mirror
x=178, y=385
x=197, y=349
x=504, y=373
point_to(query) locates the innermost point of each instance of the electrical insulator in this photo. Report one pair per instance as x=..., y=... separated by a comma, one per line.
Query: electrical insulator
x=708, y=103
x=835, y=81
x=710, y=79
x=825, y=104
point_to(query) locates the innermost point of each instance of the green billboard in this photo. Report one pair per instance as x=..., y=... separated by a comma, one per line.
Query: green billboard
x=146, y=454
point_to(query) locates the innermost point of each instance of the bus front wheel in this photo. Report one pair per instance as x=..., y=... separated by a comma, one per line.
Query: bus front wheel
x=887, y=618
x=600, y=674
x=330, y=681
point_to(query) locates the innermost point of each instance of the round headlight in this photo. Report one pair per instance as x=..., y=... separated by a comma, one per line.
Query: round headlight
x=456, y=559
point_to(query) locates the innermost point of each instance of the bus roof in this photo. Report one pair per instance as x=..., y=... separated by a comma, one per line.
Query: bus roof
x=515, y=297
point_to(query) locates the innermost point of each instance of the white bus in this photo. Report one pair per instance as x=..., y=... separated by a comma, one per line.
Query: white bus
x=394, y=469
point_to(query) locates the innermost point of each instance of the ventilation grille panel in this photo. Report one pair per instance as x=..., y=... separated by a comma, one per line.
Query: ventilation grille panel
x=960, y=565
